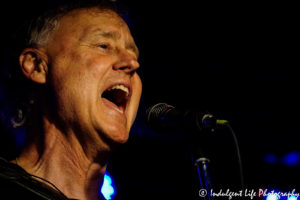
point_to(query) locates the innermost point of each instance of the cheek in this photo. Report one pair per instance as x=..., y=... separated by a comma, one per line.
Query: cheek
x=93, y=66
x=86, y=68
x=76, y=77
x=137, y=82
x=69, y=80
x=136, y=95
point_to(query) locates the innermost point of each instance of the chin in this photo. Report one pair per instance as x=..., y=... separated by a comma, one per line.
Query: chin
x=120, y=137
x=121, y=140
x=116, y=134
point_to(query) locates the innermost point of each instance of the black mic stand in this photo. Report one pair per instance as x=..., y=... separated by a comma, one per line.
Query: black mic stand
x=200, y=159
x=202, y=164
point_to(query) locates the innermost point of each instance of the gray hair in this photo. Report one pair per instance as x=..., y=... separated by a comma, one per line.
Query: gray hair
x=40, y=29
x=39, y=36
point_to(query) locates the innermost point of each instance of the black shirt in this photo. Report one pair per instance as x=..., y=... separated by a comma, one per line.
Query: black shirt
x=17, y=184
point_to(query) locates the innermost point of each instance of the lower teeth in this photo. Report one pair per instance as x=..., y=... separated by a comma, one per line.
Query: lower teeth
x=121, y=111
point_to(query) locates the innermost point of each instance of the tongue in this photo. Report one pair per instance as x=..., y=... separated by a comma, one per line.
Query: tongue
x=111, y=104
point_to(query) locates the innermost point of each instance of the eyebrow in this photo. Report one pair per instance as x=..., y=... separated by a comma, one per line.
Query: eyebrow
x=116, y=36
x=107, y=34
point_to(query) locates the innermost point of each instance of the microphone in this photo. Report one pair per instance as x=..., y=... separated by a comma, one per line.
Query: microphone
x=163, y=118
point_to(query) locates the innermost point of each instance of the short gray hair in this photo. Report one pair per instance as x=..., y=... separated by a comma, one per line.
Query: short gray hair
x=40, y=29
x=39, y=35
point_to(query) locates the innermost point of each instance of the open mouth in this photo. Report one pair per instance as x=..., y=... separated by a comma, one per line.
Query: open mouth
x=118, y=95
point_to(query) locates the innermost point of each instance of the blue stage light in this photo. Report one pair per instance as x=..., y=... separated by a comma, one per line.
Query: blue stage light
x=292, y=198
x=272, y=196
x=107, y=189
x=271, y=159
x=292, y=159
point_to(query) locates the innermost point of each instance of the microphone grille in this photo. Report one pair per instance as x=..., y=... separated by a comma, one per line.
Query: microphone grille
x=154, y=112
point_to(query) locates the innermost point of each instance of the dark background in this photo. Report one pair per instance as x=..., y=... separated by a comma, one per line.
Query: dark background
x=236, y=60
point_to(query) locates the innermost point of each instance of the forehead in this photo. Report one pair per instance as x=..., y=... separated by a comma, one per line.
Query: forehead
x=93, y=22
x=87, y=19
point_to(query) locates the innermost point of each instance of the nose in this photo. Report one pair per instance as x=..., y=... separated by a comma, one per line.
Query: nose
x=127, y=62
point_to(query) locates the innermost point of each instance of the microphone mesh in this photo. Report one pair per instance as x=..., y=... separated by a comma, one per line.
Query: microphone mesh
x=154, y=112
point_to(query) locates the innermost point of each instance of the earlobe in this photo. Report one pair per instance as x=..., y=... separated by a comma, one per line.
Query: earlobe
x=33, y=65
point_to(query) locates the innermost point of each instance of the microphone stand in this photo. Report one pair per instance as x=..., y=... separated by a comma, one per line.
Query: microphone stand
x=205, y=182
x=200, y=160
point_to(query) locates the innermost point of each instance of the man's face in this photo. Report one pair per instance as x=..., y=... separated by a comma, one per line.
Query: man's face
x=92, y=61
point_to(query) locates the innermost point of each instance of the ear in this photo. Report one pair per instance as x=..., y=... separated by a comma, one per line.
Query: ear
x=33, y=63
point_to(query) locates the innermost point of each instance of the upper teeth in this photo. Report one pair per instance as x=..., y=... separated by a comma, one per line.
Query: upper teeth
x=120, y=87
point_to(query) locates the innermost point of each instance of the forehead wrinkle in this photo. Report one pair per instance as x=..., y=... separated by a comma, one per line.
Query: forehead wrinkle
x=106, y=34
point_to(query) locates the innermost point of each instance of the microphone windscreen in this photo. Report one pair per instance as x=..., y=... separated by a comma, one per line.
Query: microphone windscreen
x=155, y=112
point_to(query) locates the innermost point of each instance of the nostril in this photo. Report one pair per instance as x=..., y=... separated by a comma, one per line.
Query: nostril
x=126, y=61
x=124, y=68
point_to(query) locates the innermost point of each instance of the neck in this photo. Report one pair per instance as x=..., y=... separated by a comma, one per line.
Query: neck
x=61, y=159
